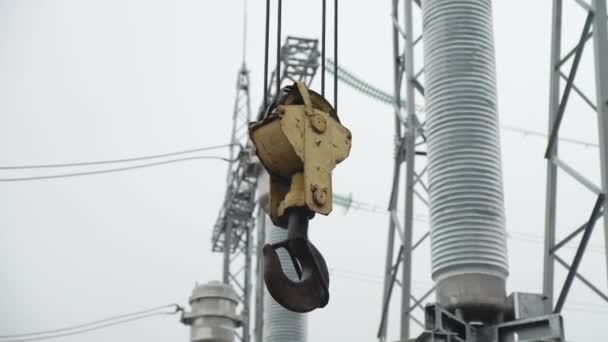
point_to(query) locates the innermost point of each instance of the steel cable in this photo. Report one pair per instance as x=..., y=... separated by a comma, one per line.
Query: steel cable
x=115, y=161
x=119, y=169
x=93, y=325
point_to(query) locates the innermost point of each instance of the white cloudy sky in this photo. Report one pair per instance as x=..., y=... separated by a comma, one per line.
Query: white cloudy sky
x=89, y=80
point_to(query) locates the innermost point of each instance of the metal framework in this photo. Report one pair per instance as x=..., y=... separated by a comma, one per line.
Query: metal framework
x=594, y=29
x=234, y=226
x=410, y=144
x=299, y=61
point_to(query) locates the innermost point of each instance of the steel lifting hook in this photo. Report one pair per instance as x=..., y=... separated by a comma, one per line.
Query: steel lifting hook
x=299, y=141
x=311, y=291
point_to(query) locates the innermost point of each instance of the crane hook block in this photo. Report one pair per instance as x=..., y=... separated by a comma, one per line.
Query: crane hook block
x=299, y=142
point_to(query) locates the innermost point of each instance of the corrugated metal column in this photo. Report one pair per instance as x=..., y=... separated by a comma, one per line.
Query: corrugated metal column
x=259, y=283
x=468, y=242
x=600, y=49
x=280, y=324
x=551, y=191
x=410, y=158
x=246, y=313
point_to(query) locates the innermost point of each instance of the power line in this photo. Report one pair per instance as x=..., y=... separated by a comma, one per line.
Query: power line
x=114, y=161
x=119, y=169
x=111, y=318
x=376, y=93
x=543, y=135
x=349, y=203
x=76, y=332
x=91, y=326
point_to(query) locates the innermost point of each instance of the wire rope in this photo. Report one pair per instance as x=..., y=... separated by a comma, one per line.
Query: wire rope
x=114, y=161
x=140, y=313
x=119, y=169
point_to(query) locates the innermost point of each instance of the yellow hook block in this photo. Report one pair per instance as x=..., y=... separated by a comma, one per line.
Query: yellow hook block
x=299, y=143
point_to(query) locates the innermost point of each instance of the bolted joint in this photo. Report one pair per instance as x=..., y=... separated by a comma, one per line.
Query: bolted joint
x=318, y=123
x=319, y=195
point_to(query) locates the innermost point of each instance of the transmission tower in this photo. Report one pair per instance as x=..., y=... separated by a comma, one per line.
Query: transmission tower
x=299, y=61
x=410, y=147
x=234, y=227
x=235, y=223
x=594, y=30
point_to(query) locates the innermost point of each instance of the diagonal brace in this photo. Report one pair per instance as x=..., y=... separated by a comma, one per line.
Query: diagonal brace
x=567, y=90
x=583, y=279
x=579, y=254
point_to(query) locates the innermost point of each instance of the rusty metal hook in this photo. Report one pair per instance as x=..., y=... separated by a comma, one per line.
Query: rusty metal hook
x=311, y=290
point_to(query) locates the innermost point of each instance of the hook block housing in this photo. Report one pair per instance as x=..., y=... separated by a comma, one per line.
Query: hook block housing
x=299, y=142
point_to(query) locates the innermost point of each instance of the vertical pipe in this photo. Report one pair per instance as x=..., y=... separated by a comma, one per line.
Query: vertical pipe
x=600, y=49
x=246, y=313
x=388, y=267
x=259, y=284
x=551, y=193
x=227, y=250
x=410, y=155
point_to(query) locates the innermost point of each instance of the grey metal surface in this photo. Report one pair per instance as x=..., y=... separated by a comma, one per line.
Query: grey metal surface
x=466, y=195
x=213, y=315
x=410, y=159
x=259, y=284
x=444, y=326
x=525, y=305
x=440, y=319
x=551, y=187
x=480, y=297
x=536, y=329
x=280, y=324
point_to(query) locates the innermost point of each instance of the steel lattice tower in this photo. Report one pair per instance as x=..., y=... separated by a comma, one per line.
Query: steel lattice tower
x=410, y=150
x=234, y=226
x=594, y=29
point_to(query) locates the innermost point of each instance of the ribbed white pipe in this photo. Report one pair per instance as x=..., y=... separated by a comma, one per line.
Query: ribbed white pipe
x=466, y=196
x=280, y=324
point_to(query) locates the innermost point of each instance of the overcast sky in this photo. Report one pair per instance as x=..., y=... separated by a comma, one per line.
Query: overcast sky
x=90, y=80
